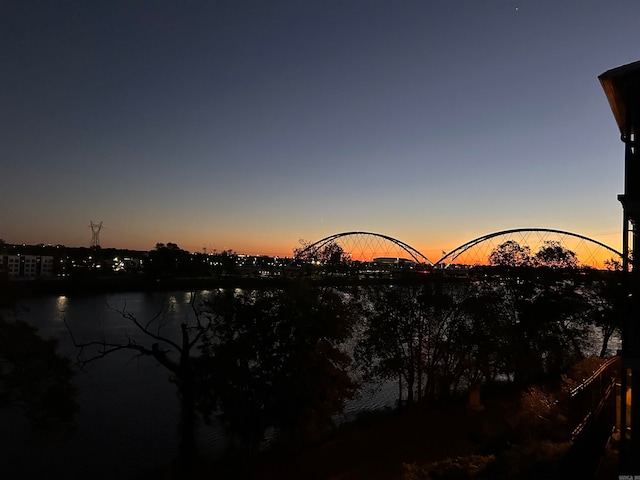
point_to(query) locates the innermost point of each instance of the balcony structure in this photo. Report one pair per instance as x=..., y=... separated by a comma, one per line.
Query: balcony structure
x=622, y=88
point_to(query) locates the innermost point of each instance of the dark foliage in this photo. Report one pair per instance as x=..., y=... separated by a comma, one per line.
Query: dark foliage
x=278, y=362
x=33, y=376
x=410, y=333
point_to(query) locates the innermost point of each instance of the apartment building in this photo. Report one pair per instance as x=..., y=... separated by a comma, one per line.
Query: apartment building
x=27, y=266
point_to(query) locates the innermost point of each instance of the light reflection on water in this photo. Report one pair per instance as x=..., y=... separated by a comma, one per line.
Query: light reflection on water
x=129, y=409
x=62, y=303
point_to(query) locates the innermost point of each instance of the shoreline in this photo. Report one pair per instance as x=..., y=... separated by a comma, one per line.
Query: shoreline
x=11, y=289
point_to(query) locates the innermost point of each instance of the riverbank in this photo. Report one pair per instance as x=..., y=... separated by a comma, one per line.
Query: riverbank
x=376, y=450
x=503, y=440
x=379, y=451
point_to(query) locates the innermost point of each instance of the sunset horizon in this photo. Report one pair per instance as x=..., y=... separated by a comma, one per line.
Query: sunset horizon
x=252, y=125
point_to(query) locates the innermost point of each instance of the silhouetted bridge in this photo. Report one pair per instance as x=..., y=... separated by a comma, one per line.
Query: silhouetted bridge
x=371, y=247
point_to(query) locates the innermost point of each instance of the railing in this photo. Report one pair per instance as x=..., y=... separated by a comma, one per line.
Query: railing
x=593, y=397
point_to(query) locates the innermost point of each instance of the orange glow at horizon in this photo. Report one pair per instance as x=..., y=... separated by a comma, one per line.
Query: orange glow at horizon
x=367, y=247
x=587, y=253
x=364, y=247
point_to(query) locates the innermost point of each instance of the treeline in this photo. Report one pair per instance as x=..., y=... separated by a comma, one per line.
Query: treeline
x=521, y=326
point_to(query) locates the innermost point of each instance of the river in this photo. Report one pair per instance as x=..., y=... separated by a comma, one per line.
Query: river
x=129, y=411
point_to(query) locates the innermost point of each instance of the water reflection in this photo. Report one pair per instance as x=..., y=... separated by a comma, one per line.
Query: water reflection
x=128, y=410
x=62, y=304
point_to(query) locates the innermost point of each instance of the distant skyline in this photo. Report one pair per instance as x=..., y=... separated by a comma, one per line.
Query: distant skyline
x=248, y=125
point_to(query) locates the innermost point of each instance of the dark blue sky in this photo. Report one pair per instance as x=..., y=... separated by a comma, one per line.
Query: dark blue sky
x=251, y=124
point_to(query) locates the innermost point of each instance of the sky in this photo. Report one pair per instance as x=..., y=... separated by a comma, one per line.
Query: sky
x=249, y=125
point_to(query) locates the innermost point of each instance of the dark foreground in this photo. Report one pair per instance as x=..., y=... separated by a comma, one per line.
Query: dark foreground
x=501, y=441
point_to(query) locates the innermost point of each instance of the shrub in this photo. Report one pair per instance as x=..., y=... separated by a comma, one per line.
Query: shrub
x=458, y=468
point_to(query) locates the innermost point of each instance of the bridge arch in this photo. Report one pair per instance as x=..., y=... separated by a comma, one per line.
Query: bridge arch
x=364, y=246
x=590, y=254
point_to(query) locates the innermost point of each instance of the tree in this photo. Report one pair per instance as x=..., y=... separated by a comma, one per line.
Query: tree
x=553, y=254
x=168, y=260
x=304, y=245
x=223, y=263
x=613, y=264
x=409, y=333
x=179, y=356
x=34, y=377
x=391, y=339
x=605, y=298
x=555, y=323
x=510, y=254
x=331, y=253
x=536, y=325
x=483, y=332
x=278, y=360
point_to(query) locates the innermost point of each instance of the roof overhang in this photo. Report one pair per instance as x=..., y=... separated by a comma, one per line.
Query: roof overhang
x=622, y=87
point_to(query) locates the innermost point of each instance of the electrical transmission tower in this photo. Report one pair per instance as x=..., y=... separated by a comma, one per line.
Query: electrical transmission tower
x=95, y=230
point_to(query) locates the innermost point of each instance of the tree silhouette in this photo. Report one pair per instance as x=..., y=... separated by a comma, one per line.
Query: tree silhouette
x=259, y=359
x=178, y=356
x=278, y=360
x=525, y=327
x=169, y=261
x=34, y=377
x=409, y=333
x=613, y=264
x=553, y=254
x=510, y=254
x=331, y=253
x=483, y=336
x=605, y=296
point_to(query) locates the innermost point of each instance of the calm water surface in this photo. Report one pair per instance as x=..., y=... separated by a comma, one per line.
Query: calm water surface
x=129, y=410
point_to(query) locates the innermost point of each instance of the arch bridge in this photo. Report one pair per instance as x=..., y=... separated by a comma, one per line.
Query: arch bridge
x=362, y=246
x=588, y=252
x=369, y=246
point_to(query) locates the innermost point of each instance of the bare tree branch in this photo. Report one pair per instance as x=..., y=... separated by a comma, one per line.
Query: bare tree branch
x=145, y=328
x=177, y=358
